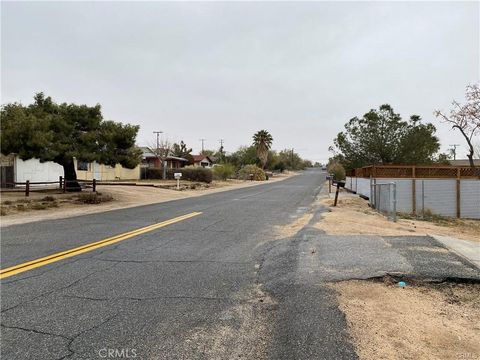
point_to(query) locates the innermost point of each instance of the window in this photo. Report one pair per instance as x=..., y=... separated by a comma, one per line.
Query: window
x=82, y=165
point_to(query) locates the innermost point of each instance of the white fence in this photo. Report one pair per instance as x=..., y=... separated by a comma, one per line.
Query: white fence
x=446, y=197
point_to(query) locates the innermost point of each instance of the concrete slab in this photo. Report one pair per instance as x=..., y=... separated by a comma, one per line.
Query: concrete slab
x=469, y=250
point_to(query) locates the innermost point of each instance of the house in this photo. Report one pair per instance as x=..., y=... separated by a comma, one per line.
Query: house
x=14, y=169
x=150, y=160
x=464, y=162
x=202, y=160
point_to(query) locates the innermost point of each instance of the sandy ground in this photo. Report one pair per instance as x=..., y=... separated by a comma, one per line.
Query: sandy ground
x=124, y=197
x=353, y=216
x=416, y=322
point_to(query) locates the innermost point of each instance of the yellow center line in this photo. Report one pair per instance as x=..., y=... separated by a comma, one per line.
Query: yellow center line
x=17, y=269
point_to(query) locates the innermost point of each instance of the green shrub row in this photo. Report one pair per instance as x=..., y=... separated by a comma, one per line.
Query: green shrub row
x=188, y=173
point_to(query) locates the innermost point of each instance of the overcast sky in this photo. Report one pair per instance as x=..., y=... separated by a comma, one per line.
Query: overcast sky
x=225, y=70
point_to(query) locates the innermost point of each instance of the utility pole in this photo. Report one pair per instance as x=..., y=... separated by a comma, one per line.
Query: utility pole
x=162, y=165
x=203, y=143
x=221, y=149
x=454, y=150
x=158, y=140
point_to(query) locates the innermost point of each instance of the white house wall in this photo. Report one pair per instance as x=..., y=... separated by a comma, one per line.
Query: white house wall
x=34, y=170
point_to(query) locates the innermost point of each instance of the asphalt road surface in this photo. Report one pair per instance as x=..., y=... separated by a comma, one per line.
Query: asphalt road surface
x=229, y=282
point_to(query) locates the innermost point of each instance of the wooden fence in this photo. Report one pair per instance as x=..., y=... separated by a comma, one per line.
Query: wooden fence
x=414, y=172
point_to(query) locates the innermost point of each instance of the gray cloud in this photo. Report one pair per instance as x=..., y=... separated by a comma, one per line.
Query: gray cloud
x=224, y=70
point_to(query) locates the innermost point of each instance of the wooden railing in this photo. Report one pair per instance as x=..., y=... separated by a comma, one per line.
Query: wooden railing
x=413, y=172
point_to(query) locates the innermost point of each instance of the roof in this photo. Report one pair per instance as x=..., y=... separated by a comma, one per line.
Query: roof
x=176, y=158
x=199, y=158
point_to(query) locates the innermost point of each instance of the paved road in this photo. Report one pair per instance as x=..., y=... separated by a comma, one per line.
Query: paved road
x=232, y=282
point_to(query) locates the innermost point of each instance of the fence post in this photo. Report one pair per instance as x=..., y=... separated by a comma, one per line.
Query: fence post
x=94, y=185
x=60, y=181
x=27, y=188
x=394, y=190
x=414, y=192
x=458, y=193
x=64, y=185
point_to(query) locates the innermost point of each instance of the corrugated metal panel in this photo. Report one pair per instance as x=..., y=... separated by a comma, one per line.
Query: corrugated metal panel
x=440, y=196
x=404, y=195
x=470, y=199
x=363, y=187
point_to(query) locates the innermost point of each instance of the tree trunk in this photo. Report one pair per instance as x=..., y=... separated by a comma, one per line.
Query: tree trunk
x=70, y=176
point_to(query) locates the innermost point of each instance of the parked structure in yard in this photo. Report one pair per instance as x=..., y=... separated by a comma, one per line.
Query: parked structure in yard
x=444, y=190
x=202, y=160
x=14, y=169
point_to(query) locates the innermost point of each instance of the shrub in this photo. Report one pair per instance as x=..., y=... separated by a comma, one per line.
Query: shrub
x=39, y=206
x=93, y=198
x=48, y=198
x=188, y=173
x=153, y=173
x=193, y=174
x=258, y=174
x=223, y=171
x=337, y=170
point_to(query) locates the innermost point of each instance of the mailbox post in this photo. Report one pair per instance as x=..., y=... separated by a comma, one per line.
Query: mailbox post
x=177, y=177
x=339, y=185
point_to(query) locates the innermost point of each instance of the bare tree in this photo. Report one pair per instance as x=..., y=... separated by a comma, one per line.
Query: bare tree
x=161, y=149
x=465, y=118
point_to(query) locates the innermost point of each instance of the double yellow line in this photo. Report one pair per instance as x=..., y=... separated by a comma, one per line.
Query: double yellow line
x=17, y=269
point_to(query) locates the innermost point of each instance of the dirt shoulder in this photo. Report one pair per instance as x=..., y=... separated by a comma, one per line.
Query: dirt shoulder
x=35, y=208
x=414, y=322
x=353, y=216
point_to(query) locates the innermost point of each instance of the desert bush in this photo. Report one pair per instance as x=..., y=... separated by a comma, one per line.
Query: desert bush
x=223, y=171
x=337, y=170
x=94, y=198
x=7, y=202
x=193, y=174
x=258, y=174
x=48, y=198
x=153, y=173
x=39, y=206
x=188, y=173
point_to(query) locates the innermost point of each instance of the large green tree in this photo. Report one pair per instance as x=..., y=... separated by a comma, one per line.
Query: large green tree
x=262, y=140
x=382, y=137
x=61, y=132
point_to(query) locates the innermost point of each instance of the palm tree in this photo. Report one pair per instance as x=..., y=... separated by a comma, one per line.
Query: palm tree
x=262, y=141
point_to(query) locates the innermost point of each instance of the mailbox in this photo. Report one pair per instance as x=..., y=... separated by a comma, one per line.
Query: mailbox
x=341, y=184
x=177, y=176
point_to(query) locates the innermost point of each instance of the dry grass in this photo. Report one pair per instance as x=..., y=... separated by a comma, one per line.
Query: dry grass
x=353, y=216
x=415, y=322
